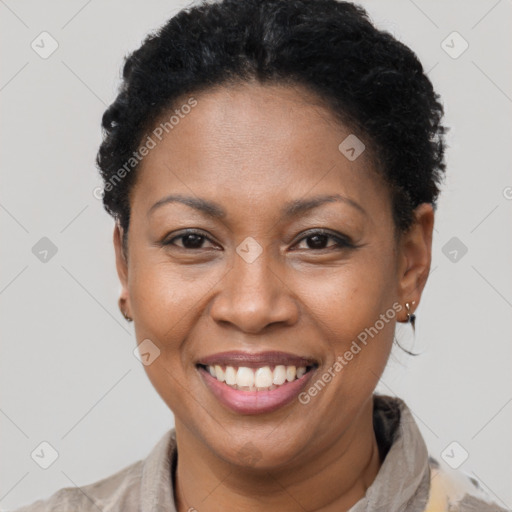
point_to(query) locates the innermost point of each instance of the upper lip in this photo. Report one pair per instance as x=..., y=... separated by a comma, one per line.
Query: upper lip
x=256, y=360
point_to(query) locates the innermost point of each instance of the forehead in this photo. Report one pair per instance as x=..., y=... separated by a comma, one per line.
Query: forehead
x=261, y=143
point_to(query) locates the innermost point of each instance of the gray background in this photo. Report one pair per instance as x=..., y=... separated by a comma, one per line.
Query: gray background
x=68, y=373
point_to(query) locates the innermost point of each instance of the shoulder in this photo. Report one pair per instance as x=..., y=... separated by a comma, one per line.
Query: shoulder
x=455, y=491
x=113, y=493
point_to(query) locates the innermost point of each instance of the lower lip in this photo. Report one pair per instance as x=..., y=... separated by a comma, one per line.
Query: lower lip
x=255, y=402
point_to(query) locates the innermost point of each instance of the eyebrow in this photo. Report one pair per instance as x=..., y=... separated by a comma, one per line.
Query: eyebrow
x=292, y=209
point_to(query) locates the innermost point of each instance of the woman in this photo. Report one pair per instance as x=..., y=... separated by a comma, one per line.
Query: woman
x=273, y=169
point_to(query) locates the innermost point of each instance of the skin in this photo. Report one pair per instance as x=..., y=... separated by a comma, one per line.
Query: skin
x=251, y=148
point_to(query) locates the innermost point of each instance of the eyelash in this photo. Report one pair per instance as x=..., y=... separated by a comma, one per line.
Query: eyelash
x=342, y=242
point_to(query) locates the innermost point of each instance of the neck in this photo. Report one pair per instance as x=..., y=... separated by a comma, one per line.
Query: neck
x=332, y=480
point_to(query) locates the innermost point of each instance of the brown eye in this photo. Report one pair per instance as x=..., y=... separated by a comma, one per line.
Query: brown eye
x=189, y=240
x=318, y=240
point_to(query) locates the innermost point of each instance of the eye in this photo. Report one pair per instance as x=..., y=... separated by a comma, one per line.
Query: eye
x=191, y=239
x=318, y=239
x=315, y=240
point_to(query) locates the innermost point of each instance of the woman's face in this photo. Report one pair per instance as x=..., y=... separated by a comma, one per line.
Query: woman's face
x=253, y=279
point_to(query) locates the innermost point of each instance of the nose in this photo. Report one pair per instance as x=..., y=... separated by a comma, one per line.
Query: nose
x=254, y=296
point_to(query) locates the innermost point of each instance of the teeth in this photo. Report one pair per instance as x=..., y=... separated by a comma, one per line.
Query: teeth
x=291, y=373
x=256, y=379
x=301, y=370
x=244, y=377
x=230, y=375
x=263, y=377
x=219, y=373
x=279, y=375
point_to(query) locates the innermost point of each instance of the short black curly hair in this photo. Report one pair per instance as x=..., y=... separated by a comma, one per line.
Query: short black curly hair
x=372, y=82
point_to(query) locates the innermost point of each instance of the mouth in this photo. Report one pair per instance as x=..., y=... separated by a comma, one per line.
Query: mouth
x=264, y=378
x=256, y=383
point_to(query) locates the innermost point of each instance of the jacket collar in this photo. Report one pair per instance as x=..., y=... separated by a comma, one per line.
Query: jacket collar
x=403, y=481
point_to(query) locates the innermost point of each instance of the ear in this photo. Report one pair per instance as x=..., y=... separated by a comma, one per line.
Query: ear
x=122, y=269
x=415, y=256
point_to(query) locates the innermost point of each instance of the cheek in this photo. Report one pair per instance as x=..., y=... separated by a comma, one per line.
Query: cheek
x=346, y=311
x=354, y=311
x=165, y=297
x=167, y=303
x=353, y=297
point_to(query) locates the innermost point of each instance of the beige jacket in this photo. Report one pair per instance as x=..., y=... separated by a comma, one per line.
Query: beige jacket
x=408, y=480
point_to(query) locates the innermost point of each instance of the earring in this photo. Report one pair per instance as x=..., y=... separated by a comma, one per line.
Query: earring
x=411, y=317
x=123, y=312
x=130, y=319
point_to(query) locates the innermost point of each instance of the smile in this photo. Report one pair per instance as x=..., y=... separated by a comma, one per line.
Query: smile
x=265, y=378
x=255, y=383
